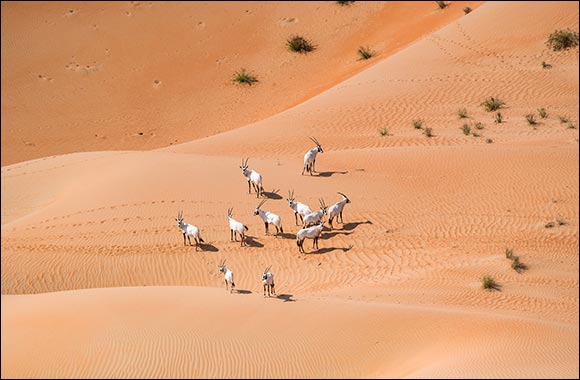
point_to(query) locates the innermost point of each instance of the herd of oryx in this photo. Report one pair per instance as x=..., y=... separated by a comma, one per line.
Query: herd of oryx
x=312, y=222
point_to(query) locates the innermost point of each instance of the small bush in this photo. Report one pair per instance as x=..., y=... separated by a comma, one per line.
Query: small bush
x=546, y=65
x=550, y=225
x=299, y=44
x=428, y=132
x=384, y=132
x=561, y=222
x=475, y=134
x=492, y=104
x=509, y=253
x=467, y=10
x=562, y=40
x=442, y=4
x=466, y=129
x=489, y=141
x=543, y=113
x=517, y=266
x=498, y=118
x=462, y=113
x=571, y=125
x=365, y=53
x=479, y=125
x=417, y=123
x=563, y=119
x=531, y=118
x=344, y=3
x=488, y=283
x=243, y=77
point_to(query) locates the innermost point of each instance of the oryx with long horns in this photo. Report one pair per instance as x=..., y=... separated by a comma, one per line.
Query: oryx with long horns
x=336, y=210
x=236, y=227
x=310, y=157
x=269, y=218
x=189, y=230
x=228, y=275
x=268, y=282
x=298, y=208
x=254, y=178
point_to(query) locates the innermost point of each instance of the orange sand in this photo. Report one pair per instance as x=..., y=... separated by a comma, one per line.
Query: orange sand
x=96, y=281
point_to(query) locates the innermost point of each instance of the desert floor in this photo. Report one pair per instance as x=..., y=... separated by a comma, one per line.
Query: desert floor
x=115, y=116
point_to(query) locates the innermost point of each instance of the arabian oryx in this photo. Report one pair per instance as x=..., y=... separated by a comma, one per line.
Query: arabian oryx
x=189, y=230
x=269, y=218
x=254, y=178
x=228, y=275
x=313, y=232
x=310, y=157
x=315, y=217
x=236, y=227
x=268, y=282
x=336, y=209
x=298, y=208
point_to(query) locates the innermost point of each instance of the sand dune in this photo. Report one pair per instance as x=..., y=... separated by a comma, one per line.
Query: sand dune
x=142, y=75
x=203, y=332
x=92, y=258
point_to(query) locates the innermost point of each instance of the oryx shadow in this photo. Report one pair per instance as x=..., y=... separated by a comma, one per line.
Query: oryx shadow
x=271, y=195
x=352, y=225
x=329, y=174
x=250, y=241
x=243, y=291
x=286, y=235
x=206, y=247
x=322, y=251
x=333, y=233
x=285, y=297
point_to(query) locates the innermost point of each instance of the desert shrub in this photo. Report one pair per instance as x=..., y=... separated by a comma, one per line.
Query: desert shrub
x=384, y=132
x=517, y=265
x=509, y=253
x=442, y=4
x=243, y=77
x=498, y=118
x=492, y=104
x=299, y=44
x=479, y=125
x=531, y=118
x=467, y=10
x=563, y=119
x=543, y=113
x=462, y=113
x=571, y=125
x=562, y=39
x=417, y=123
x=428, y=132
x=489, y=141
x=488, y=283
x=344, y=3
x=546, y=65
x=365, y=53
x=466, y=129
x=550, y=225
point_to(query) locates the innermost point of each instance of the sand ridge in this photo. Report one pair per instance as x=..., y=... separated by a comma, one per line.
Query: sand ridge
x=90, y=237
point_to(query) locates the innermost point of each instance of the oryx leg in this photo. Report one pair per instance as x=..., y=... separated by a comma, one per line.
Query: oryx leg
x=184, y=238
x=266, y=224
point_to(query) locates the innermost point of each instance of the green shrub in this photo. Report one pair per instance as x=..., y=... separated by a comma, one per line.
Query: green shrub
x=466, y=129
x=488, y=283
x=243, y=77
x=428, y=132
x=543, y=113
x=365, y=53
x=462, y=113
x=467, y=10
x=562, y=40
x=299, y=44
x=492, y=104
x=417, y=123
x=498, y=118
x=442, y=4
x=531, y=118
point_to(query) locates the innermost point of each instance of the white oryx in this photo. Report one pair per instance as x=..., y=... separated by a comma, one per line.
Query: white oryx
x=310, y=157
x=189, y=230
x=269, y=218
x=254, y=178
x=336, y=210
x=236, y=228
x=268, y=282
x=315, y=217
x=313, y=232
x=228, y=275
x=299, y=208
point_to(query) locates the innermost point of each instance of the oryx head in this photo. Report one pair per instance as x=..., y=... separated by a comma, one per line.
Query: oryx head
x=257, y=210
x=345, y=197
x=222, y=266
x=179, y=218
x=244, y=165
x=265, y=274
x=318, y=146
x=230, y=212
x=322, y=206
x=290, y=198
